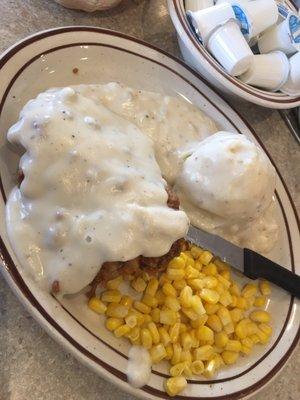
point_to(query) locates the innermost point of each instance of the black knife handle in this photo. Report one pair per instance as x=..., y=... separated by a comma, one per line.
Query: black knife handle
x=257, y=266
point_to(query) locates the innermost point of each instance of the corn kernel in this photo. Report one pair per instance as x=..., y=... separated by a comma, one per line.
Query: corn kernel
x=214, y=323
x=210, y=369
x=138, y=284
x=177, y=369
x=205, y=333
x=251, y=328
x=218, y=359
x=206, y=257
x=177, y=263
x=180, y=284
x=260, y=301
x=241, y=328
x=197, y=306
x=210, y=269
x=229, y=328
x=116, y=310
x=203, y=352
x=155, y=315
x=186, y=296
x=224, y=315
x=249, y=290
x=174, y=332
x=169, y=290
x=140, y=318
x=254, y=338
x=221, y=339
x=114, y=283
x=131, y=320
x=229, y=357
x=152, y=287
x=189, y=262
x=236, y=314
x=163, y=279
x=134, y=335
x=126, y=301
x=186, y=356
x=154, y=332
x=210, y=282
x=169, y=351
x=241, y=303
x=168, y=317
x=196, y=252
x=147, y=319
x=186, y=340
x=265, y=288
x=149, y=300
x=191, y=272
x=225, y=282
x=164, y=336
x=210, y=296
x=176, y=354
x=175, y=385
x=122, y=330
x=197, y=367
x=175, y=274
x=235, y=290
x=142, y=307
x=146, y=338
x=111, y=296
x=247, y=342
x=201, y=320
x=266, y=329
x=183, y=328
x=160, y=297
x=211, y=308
x=219, y=288
x=158, y=353
x=263, y=337
x=96, y=305
x=233, y=301
x=260, y=316
x=196, y=284
x=198, y=266
x=113, y=323
x=172, y=303
x=225, y=298
x=191, y=314
x=233, y=345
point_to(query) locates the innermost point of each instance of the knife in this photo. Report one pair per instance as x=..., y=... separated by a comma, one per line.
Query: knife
x=247, y=261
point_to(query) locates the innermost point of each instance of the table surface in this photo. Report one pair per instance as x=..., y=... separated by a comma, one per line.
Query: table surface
x=33, y=366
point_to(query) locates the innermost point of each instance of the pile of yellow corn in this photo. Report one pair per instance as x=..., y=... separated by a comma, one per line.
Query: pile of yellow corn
x=194, y=315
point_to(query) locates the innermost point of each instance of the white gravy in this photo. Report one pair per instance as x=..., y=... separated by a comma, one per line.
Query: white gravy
x=92, y=192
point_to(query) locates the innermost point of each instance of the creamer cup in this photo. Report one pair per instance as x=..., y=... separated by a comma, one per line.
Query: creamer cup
x=196, y=5
x=284, y=37
x=267, y=71
x=292, y=85
x=255, y=16
x=228, y=45
x=206, y=21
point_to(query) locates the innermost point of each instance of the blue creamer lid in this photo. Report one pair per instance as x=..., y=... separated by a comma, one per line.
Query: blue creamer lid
x=242, y=19
x=294, y=29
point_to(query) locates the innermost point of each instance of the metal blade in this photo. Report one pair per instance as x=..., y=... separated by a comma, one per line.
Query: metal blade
x=227, y=251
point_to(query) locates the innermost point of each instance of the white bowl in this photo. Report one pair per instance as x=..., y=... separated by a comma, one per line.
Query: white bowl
x=73, y=55
x=199, y=58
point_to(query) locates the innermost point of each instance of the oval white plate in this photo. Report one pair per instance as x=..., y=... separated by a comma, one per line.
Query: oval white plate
x=51, y=58
x=199, y=58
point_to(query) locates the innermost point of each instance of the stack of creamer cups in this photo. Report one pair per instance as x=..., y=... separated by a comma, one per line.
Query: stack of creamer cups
x=229, y=28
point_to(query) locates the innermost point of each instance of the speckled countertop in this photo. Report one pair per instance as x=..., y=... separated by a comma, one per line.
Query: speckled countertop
x=33, y=366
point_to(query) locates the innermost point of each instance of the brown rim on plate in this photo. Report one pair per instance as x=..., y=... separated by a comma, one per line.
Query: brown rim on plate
x=261, y=94
x=13, y=271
